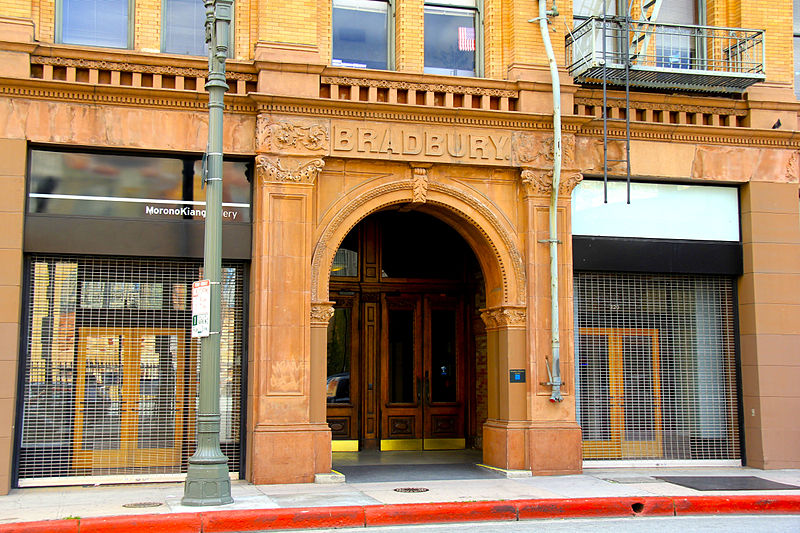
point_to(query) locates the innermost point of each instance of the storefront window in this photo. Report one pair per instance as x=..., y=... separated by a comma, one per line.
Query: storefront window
x=95, y=22
x=361, y=34
x=451, y=38
x=128, y=186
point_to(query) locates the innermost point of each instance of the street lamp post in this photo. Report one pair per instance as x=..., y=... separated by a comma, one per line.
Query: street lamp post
x=207, y=478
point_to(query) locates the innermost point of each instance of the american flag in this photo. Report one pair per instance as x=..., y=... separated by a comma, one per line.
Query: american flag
x=466, y=39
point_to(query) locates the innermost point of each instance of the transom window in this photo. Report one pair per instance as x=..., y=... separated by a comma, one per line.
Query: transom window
x=452, y=37
x=94, y=23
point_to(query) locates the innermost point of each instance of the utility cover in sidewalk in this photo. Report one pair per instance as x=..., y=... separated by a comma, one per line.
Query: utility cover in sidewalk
x=726, y=483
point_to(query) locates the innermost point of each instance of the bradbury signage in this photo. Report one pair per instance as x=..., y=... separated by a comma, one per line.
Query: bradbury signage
x=440, y=143
x=403, y=142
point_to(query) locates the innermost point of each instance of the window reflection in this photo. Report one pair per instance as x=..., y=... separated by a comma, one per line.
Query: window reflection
x=450, y=40
x=126, y=186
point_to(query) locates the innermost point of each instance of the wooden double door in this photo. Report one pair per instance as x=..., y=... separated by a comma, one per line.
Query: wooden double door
x=405, y=375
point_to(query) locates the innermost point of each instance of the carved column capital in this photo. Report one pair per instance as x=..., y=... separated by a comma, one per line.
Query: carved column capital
x=504, y=317
x=321, y=313
x=540, y=181
x=287, y=170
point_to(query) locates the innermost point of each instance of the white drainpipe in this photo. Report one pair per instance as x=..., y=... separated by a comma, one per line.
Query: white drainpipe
x=554, y=369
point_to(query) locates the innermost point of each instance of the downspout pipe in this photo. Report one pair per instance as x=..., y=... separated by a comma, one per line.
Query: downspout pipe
x=554, y=367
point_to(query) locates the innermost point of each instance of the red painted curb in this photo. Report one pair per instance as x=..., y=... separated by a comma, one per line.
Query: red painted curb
x=303, y=518
x=148, y=523
x=595, y=507
x=421, y=513
x=45, y=526
x=736, y=504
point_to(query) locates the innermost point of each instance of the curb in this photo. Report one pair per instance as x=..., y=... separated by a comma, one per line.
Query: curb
x=415, y=513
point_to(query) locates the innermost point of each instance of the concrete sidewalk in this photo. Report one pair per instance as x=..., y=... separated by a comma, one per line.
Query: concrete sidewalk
x=596, y=492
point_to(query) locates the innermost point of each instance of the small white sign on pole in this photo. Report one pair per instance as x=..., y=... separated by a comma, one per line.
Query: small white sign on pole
x=201, y=308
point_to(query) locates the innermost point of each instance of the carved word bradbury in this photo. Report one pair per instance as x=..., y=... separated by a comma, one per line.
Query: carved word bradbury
x=478, y=147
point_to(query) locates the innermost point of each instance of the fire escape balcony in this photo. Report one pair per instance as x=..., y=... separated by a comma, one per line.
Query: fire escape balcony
x=665, y=56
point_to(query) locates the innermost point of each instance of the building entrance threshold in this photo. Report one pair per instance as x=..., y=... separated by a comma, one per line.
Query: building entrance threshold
x=374, y=466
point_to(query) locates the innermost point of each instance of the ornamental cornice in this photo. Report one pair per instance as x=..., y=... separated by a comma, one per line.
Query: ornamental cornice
x=421, y=87
x=272, y=170
x=437, y=115
x=503, y=317
x=321, y=313
x=120, y=66
x=167, y=98
x=661, y=106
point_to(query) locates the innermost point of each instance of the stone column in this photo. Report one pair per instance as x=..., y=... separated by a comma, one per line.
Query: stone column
x=13, y=166
x=289, y=441
x=769, y=323
x=554, y=435
x=505, y=431
x=321, y=313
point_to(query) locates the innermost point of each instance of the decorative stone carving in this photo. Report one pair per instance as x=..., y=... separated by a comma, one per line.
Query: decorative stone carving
x=541, y=181
x=504, y=317
x=659, y=106
x=419, y=185
x=292, y=137
x=421, y=87
x=133, y=67
x=536, y=151
x=793, y=168
x=321, y=313
x=269, y=171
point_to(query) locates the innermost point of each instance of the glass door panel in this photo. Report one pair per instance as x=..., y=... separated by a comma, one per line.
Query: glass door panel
x=443, y=356
x=402, y=356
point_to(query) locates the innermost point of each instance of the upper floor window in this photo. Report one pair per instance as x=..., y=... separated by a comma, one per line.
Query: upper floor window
x=452, y=37
x=94, y=23
x=361, y=34
x=796, y=33
x=184, y=27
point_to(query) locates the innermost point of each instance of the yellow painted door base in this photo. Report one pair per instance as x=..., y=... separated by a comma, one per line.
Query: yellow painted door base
x=344, y=445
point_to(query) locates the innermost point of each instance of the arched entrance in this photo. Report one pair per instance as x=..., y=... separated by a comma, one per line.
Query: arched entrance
x=493, y=240
x=406, y=349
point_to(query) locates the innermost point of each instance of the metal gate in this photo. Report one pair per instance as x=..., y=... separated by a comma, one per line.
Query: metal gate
x=656, y=367
x=110, y=372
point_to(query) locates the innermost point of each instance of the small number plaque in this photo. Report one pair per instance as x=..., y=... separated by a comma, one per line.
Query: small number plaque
x=517, y=376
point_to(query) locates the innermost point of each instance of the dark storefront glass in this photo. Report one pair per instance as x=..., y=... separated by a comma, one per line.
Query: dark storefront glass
x=131, y=186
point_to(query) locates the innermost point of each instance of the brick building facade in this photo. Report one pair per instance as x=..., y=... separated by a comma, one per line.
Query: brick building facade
x=387, y=263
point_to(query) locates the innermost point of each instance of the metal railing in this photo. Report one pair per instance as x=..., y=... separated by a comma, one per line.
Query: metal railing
x=664, y=55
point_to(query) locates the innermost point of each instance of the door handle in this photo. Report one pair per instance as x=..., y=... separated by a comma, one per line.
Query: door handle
x=427, y=388
x=419, y=390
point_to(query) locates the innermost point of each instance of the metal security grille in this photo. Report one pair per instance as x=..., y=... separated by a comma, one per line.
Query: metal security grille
x=111, y=371
x=655, y=366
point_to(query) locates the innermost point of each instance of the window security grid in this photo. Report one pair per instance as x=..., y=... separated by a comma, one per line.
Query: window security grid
x=111, y=372
x=656, y=367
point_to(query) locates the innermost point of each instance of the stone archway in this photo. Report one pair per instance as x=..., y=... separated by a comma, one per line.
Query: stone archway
x=494, y=242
